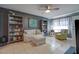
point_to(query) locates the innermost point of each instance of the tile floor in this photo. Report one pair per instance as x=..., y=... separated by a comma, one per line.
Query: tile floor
x=52, y=46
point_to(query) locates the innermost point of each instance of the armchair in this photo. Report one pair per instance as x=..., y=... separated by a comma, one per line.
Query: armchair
x=61, y=35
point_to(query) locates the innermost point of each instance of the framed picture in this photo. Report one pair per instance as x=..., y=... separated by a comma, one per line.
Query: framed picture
x=32, y=23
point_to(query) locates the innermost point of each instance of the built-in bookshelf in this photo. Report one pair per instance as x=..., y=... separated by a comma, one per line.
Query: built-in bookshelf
x=44, y=26
x=15, y=28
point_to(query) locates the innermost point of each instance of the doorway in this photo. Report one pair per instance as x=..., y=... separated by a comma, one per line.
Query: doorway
x=77, y=35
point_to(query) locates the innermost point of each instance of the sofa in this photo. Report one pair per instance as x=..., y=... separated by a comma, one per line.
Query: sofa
x=35, y=36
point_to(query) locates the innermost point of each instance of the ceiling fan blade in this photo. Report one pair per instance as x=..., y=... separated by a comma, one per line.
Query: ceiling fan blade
x=42, y=9
x=48, y=7
x=54, y=9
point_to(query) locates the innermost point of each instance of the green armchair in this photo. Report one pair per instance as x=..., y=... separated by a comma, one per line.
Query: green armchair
x=61, y=35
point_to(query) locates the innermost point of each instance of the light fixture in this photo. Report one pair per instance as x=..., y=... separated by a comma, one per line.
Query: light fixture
x=47, y=11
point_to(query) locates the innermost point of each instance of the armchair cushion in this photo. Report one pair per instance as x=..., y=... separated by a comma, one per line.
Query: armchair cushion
x=61, y=35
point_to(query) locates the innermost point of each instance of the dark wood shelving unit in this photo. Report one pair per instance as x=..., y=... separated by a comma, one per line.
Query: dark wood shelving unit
x=43, y=26
x=15, y=28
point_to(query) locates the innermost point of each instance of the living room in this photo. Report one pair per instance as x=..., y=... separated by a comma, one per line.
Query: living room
x=38, y=28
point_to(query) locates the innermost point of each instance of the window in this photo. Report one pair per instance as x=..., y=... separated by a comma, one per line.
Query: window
x=59, y=24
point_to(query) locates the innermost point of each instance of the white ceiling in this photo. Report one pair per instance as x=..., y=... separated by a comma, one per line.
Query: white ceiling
x=34, y=9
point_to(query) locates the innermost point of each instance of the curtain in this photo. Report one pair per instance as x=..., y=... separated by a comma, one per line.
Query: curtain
x=62, y=23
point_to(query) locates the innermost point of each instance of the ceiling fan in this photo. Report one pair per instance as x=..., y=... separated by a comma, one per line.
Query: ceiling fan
x=48, y=8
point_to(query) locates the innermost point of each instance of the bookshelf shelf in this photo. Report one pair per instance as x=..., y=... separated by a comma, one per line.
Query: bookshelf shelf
x=15, y=28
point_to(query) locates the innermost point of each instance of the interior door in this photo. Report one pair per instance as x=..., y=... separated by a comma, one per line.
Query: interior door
x=77, y=35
